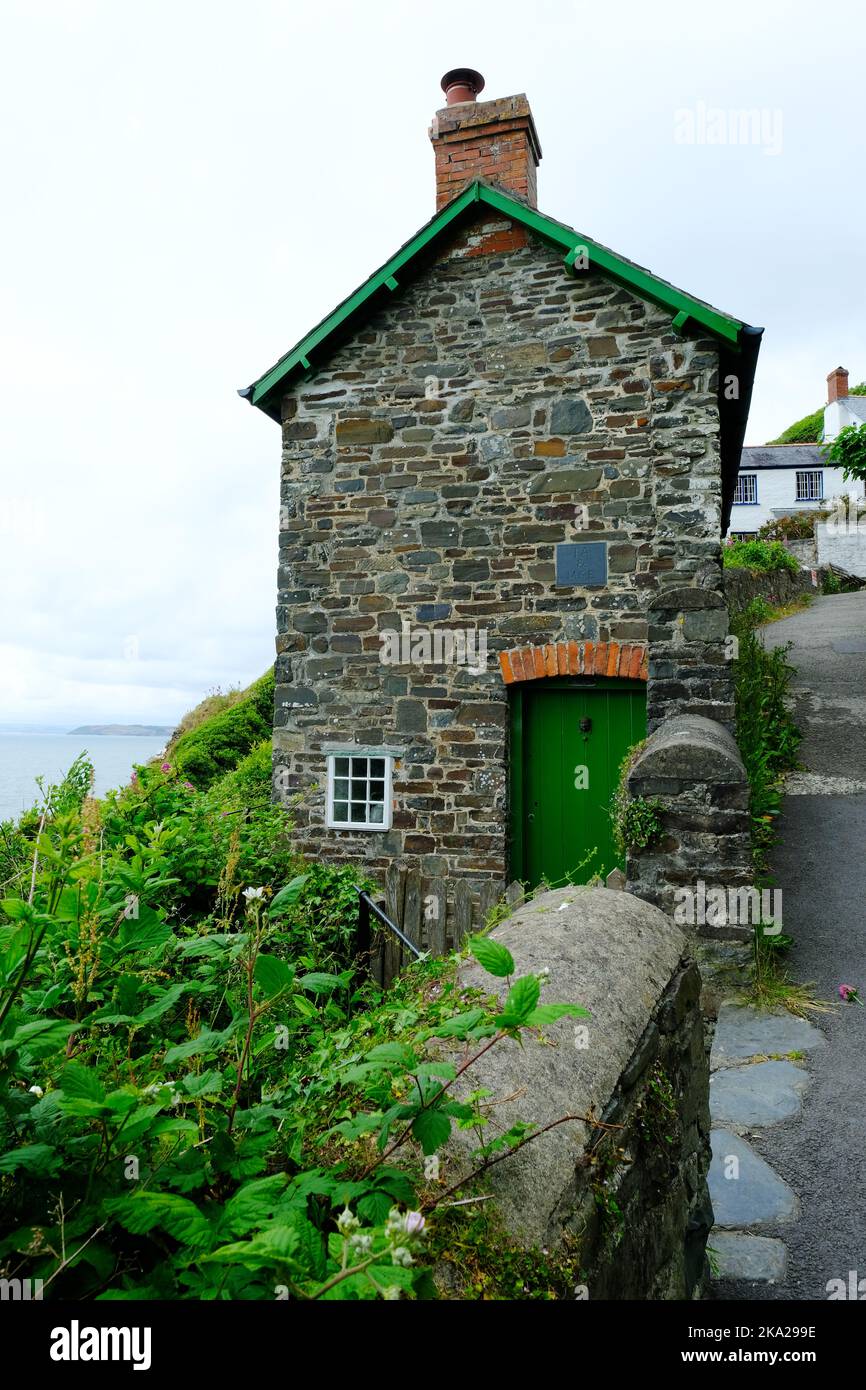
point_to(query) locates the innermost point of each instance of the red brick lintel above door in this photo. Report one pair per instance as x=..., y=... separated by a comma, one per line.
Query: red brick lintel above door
x=628, y=659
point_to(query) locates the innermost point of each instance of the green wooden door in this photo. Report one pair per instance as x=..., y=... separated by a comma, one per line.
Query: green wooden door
x=568, y=739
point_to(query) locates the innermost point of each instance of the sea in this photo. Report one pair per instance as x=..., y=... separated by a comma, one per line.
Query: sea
x=24, y=757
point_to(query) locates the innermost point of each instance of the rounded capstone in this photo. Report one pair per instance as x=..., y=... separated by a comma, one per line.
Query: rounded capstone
x=611, y=953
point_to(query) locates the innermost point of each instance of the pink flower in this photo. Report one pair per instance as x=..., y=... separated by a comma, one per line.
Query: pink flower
x=188, y=786
x=134, y=777
x=414, y=1223
x=166, y=767
x=850, y=994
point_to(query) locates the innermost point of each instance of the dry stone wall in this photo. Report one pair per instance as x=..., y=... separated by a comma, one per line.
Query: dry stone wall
x=628, y=1205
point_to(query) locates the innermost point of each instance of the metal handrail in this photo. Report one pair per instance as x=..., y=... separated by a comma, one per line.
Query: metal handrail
x=366, y=906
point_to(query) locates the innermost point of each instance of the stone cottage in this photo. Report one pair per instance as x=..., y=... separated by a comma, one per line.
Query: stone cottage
x=508, y=460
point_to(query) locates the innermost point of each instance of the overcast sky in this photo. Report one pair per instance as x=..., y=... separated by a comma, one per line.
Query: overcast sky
x=187, y=187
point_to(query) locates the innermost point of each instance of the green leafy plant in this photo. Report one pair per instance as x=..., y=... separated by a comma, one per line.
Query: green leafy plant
x=805, y=431
x=767, y=736
x=198, y=1099
x=848, y=451
x=758, y=611
x=830, y=583
x=636, y=821
x=216, y=745
x=758, y=556
x=799, y=527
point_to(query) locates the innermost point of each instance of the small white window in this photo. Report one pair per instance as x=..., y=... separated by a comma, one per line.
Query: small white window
x=746, y=494
x=359, y=791
x=810, y=487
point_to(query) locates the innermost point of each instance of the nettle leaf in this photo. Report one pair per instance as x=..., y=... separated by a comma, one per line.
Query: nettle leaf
x=432, y=1129
x=19, y=910
x=391, y=1054
x=212, y=945
x=82, y=1083
x=459, y=1026
x=273, y=974
x=459, y=1109
x=277, y=1245
x=142, y=933
x=288, y=896
x=252, y=1205
x=446, y=1070
x=373, y=1207
x=549, y=1013
x=318, y=982
x=120, y=1102
x=127, y=993
x=396, y=1183
x=354, y=1128
x=144, y=1118
x=360, y=1071
x=51, y=998
x=522, y=999
x=206, y=1042
x=143, y=1211
x=41, y=1160
x=162, y=1004
x=393, y=1275
x=206, y=1083
x=493, y=957
x=39, y=1034
x=242, y=1158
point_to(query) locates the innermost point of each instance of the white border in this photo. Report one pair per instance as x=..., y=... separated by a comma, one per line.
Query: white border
x=388, y=809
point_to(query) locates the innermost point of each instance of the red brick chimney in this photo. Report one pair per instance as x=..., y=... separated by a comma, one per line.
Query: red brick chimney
x=491, y=140
x=837, y=385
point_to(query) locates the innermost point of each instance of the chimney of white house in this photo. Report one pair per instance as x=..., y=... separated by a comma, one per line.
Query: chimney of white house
x=491, y=140
x=837, y=385
x=836, y=416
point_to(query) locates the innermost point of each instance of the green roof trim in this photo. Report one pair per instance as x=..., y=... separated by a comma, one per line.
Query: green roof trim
x=578, y=251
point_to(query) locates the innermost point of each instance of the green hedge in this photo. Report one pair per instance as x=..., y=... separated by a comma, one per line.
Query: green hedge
x=219, y=744
x=763, y=556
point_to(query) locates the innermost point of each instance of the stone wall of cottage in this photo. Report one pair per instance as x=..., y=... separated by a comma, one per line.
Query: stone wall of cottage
x=493, y=408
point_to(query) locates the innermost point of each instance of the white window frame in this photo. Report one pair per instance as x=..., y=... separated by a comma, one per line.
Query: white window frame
x=746, y=501
x=809, y=495
x=364, y=755
x=744, y=535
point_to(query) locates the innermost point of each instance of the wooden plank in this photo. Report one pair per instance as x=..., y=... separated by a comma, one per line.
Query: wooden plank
x=462, y=911
x=435, y=912
x=411, y=923
x=377, y=959
x=395, y=894
x=486, y=900
x=514, y=893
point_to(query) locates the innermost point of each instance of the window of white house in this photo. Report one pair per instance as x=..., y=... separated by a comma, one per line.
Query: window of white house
x=744, y=535
x=359, y=792
x=810, y=486
x=746, y=494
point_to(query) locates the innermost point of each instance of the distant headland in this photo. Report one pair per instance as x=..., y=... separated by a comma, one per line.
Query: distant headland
x=138, y=730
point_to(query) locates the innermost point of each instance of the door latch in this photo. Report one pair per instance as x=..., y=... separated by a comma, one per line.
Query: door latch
x=585, y=725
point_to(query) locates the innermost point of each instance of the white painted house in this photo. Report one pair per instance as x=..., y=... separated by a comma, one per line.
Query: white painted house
x=779, y=479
